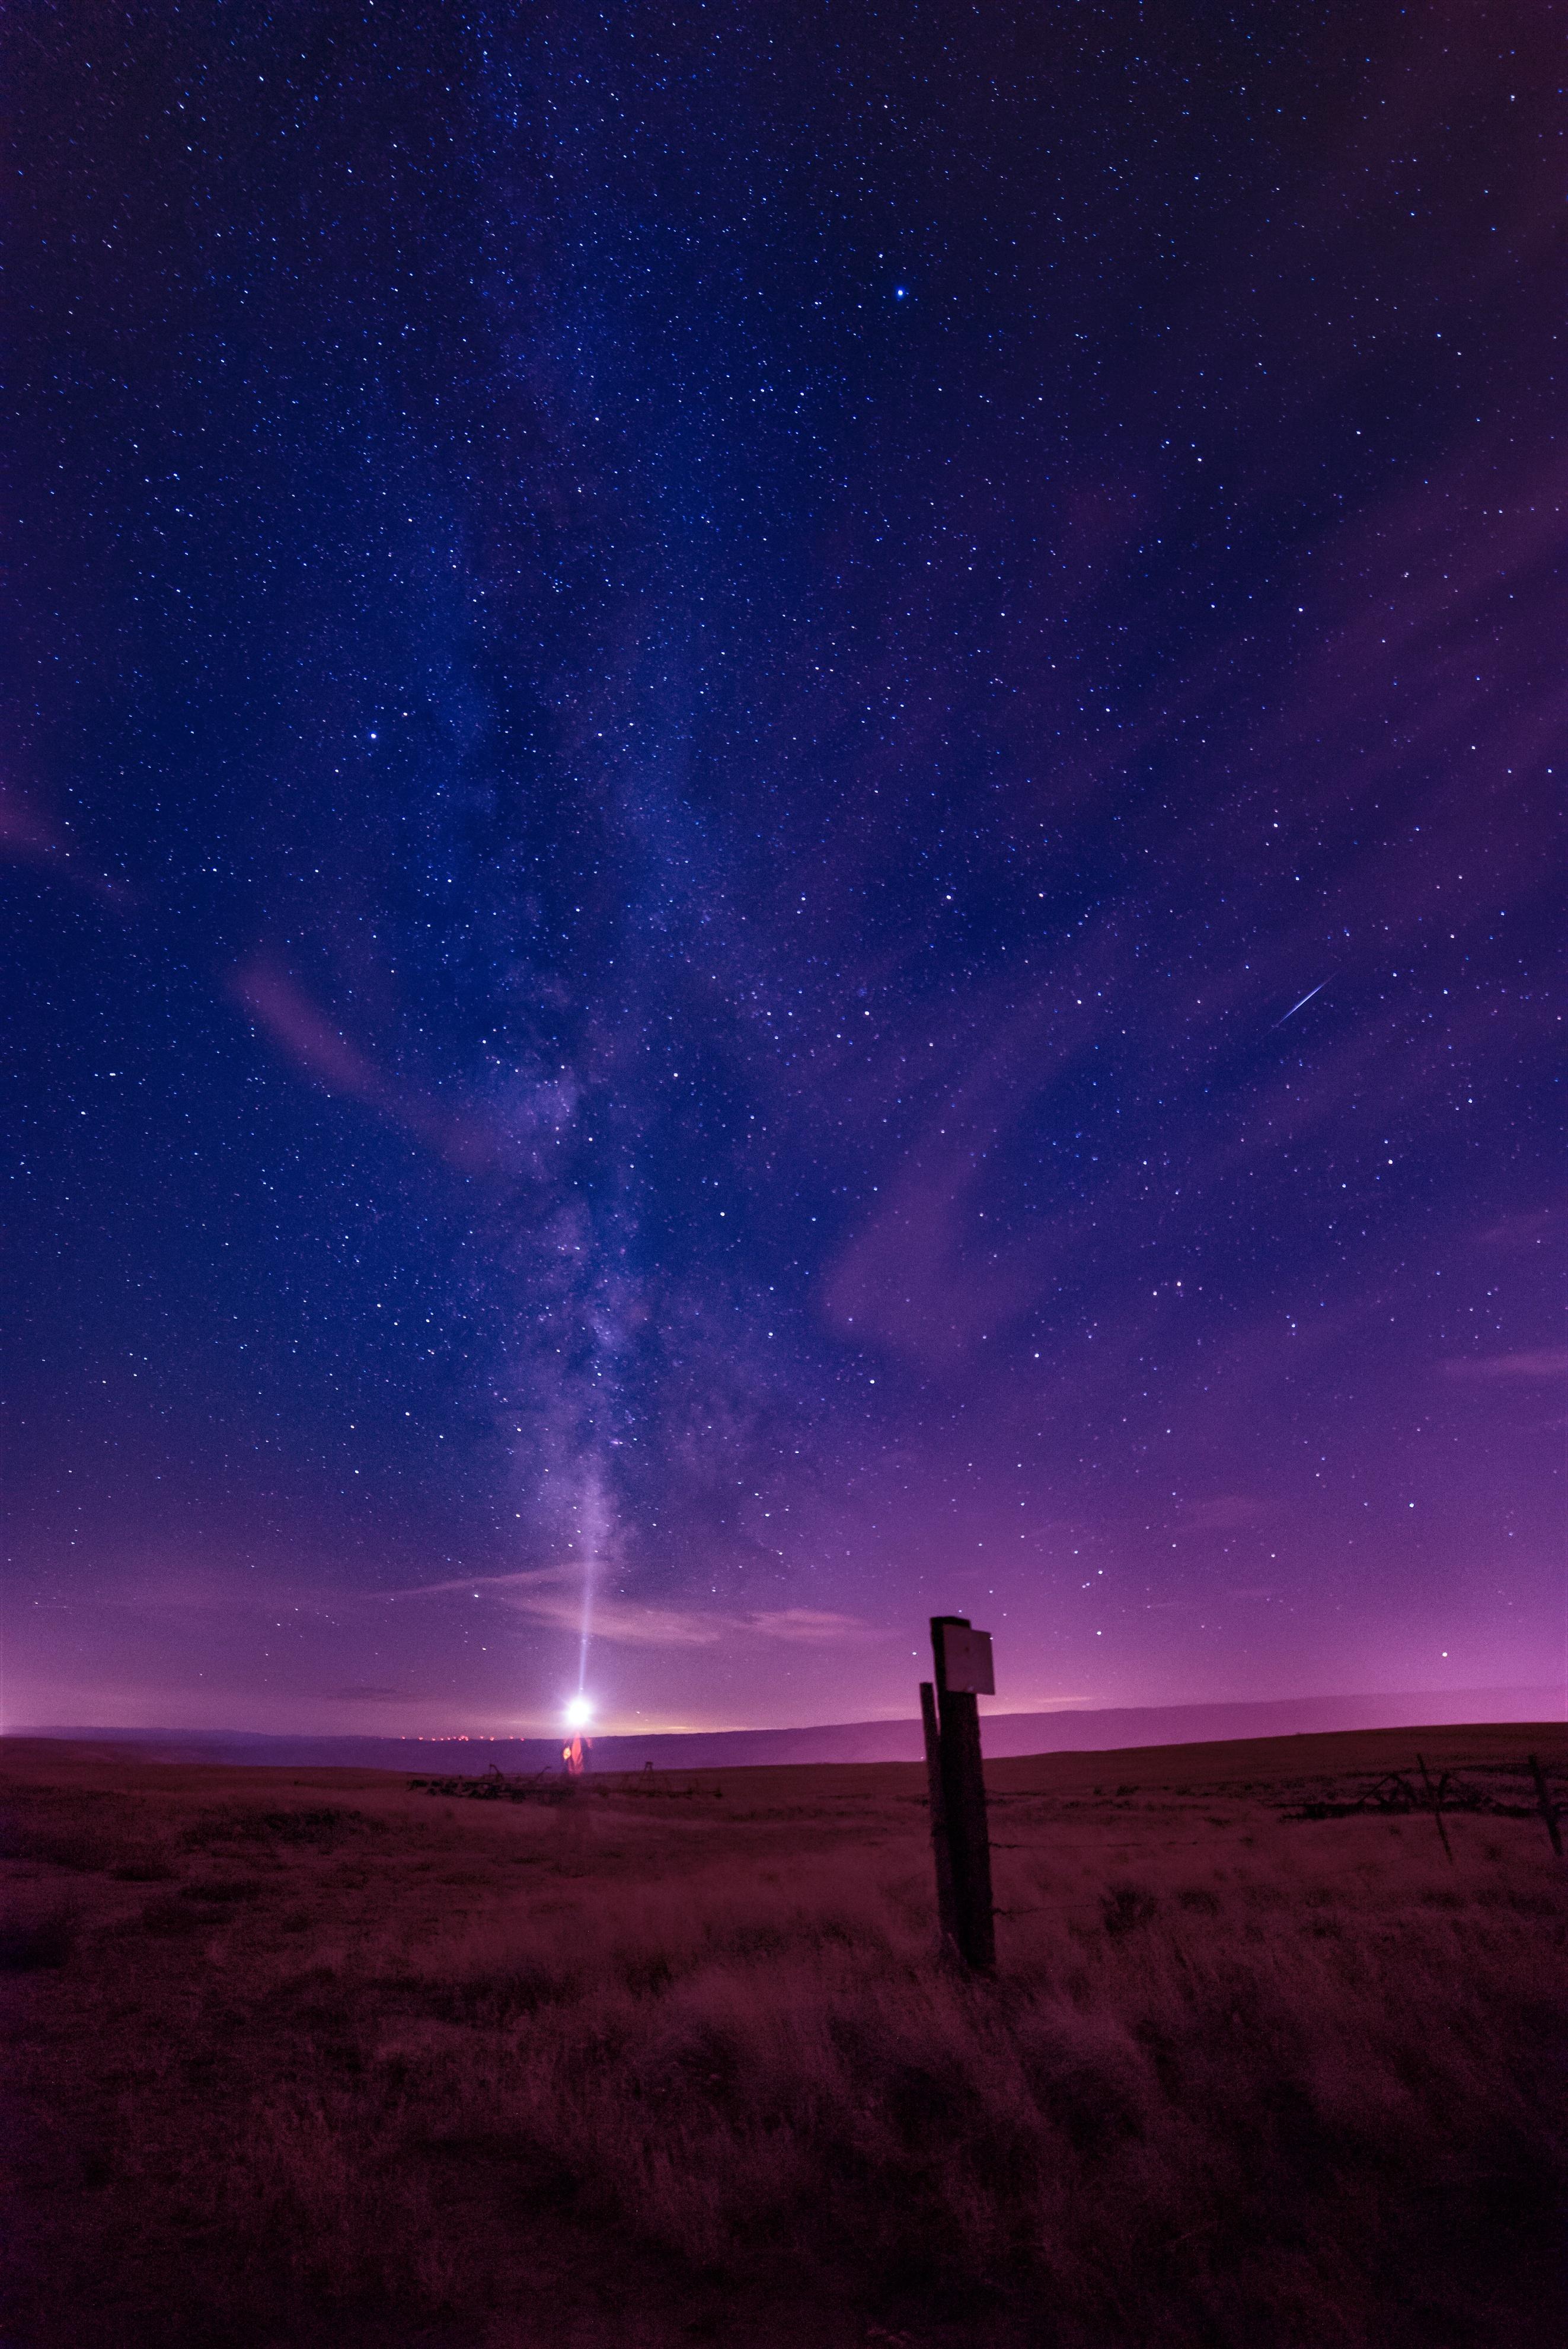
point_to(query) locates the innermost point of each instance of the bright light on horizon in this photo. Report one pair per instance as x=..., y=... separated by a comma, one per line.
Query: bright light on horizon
x=579, y=1712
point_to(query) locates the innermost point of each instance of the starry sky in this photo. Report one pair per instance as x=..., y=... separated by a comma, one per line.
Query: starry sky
x=779, y=821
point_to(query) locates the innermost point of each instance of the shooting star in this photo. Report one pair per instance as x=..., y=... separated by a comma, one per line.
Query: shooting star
x=1305, y=999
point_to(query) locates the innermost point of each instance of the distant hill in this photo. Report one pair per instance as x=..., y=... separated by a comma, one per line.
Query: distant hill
x=1003, y=1734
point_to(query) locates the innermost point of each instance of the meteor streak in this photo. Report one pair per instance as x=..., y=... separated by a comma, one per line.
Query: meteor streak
x=1305, y=999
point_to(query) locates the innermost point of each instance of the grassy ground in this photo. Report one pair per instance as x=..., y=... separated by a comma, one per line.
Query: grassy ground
x=306, y=2057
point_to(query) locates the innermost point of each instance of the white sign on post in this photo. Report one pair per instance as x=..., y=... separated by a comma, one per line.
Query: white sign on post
x=967, y=1660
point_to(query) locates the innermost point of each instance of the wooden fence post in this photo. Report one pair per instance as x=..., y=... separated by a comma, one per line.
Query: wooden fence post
x=1545, y=1805
x=1435, y=1798
x=946, y=1913
x=965, y=1829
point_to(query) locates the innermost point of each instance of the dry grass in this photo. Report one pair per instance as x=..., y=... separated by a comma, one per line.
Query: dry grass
x=310, y=2058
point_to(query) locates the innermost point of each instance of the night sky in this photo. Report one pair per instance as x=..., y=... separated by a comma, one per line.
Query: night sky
x=780, y=816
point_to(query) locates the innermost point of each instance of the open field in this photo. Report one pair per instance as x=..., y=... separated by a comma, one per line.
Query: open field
x=303, y=2057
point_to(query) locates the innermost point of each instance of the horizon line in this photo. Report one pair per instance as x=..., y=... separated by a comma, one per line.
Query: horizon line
x=1556, y=1691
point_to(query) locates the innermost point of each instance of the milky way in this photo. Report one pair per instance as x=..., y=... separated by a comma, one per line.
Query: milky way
x=779, y=792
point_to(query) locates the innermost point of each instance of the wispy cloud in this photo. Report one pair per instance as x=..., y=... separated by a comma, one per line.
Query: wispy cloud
x=1228, y=1513
x=1527, y=1229
x=626, y=1622
x=551, y=1595
x=304, y=1034
x=361, y=1695
x=1538, y=1362
x=811, y=1626
x=918, y=1277
x=307, y=1037
x=28, y=838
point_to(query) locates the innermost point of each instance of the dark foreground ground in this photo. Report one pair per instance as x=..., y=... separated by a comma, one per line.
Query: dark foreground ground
x=305, y=2057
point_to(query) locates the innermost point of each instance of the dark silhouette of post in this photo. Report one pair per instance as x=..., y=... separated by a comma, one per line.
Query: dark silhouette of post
x=1545, y=1805
x=959, y=1831
x=947, y=1914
